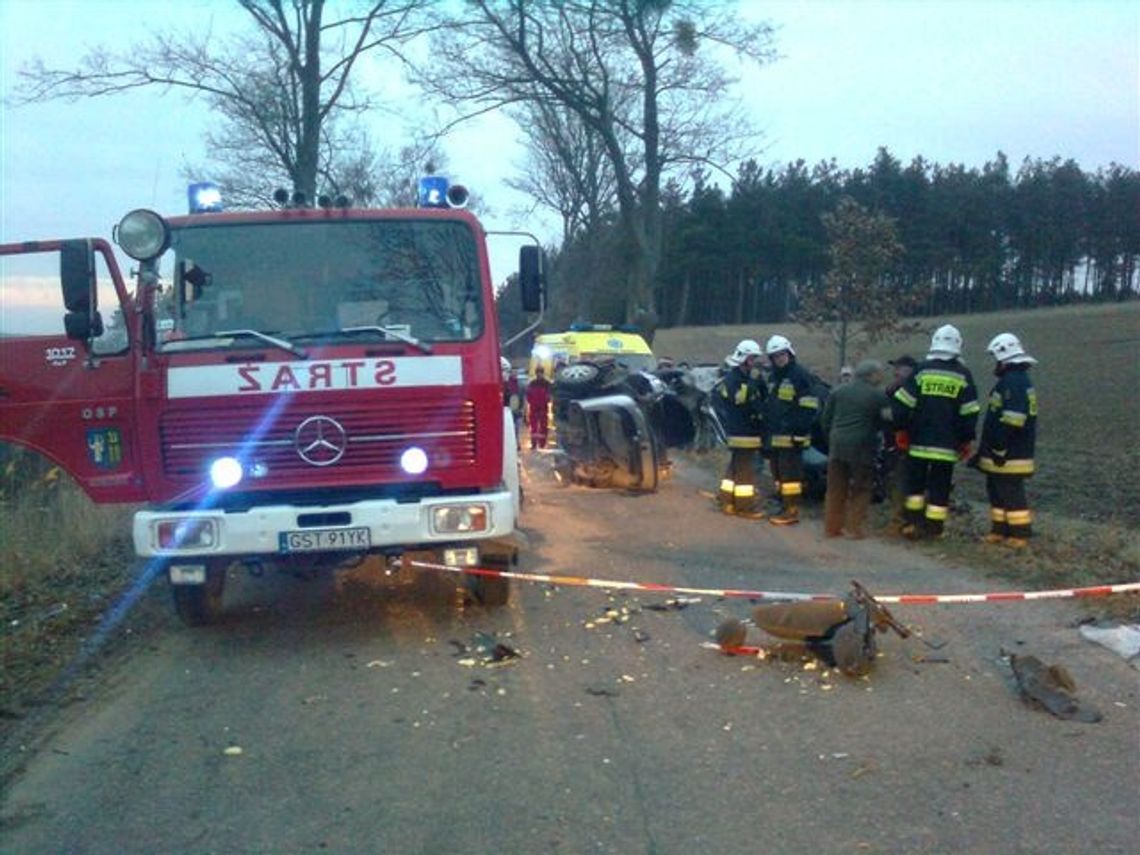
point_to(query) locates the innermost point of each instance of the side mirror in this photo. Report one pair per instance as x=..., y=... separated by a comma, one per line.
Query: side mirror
x=83, y=326
x=531, y=276
x=77, y=276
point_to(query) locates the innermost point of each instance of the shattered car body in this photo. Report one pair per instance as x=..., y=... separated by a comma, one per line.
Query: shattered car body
x=615, y=425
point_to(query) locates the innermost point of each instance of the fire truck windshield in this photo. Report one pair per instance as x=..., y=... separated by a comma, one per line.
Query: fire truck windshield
x=409, y=280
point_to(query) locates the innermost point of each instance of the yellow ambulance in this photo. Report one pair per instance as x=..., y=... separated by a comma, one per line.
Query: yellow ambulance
x=590, y=343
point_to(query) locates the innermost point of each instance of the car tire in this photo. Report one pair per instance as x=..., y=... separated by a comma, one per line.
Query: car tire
x=577, y=377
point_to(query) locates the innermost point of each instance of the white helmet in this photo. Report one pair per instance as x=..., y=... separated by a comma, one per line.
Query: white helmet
x=777, y=344
x=1007, y=348
x=946, y=343
x=744, y=350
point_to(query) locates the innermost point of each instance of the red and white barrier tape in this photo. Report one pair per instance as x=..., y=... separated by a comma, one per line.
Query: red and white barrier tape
x=886, y=599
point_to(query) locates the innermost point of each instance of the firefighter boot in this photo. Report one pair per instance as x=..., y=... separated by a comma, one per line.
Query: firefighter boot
x=789, y=514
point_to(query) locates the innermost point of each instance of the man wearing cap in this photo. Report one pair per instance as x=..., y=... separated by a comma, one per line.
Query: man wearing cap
x=938, y=407
x=851, y=420
x=1005, y=452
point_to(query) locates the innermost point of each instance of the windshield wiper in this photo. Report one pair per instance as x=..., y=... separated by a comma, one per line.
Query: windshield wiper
x=391, y=333
x=282, y=343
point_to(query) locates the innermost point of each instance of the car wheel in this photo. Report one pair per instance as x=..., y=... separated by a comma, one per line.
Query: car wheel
x=578, y=376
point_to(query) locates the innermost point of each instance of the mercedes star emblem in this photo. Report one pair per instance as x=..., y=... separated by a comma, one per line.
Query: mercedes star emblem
x=320, y=440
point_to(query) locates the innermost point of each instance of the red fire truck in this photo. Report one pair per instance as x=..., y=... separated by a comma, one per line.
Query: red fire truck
x=299, y=386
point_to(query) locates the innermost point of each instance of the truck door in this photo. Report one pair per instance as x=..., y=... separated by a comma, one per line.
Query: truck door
x=68, y=350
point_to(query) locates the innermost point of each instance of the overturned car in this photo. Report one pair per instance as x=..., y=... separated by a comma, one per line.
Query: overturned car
x=615, y=424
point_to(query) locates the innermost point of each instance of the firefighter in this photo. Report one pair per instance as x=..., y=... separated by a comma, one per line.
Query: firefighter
x=739, y=399
x=1005, y=452
x=938, y=407
x=538, y=407
x=792, y=409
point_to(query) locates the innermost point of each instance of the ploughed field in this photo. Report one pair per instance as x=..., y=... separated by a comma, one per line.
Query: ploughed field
x=1087, y=381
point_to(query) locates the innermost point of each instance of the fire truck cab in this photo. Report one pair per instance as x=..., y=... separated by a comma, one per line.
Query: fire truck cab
x=303, y=385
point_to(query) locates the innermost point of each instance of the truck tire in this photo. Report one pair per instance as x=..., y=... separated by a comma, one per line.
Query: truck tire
x=201, y=605
x=491, y=591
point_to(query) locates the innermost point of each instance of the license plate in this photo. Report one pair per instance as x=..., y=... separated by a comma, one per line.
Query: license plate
x=324, y=540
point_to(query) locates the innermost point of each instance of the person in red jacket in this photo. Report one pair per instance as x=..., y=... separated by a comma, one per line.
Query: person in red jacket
x=538, y=407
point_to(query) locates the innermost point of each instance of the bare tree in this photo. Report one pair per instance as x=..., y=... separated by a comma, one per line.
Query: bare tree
x=647, y=77
x=284, y=91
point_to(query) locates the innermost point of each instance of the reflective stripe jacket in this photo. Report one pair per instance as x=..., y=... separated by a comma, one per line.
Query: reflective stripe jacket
x=1010, y=427
x=938, y=406
x=792, y=406
x=739, y=400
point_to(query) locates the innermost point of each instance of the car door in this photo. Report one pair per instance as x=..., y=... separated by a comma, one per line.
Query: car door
x=71, y=398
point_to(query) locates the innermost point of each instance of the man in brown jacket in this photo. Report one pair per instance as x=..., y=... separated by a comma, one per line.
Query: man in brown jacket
x=852, y=420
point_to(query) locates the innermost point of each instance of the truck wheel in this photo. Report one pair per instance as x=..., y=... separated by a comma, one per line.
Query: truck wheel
x=200, y=605
x=491, y=591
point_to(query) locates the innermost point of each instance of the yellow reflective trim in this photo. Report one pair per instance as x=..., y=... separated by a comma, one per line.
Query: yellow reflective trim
x=1012, y=467
x=1019, y=517
x=1032, y=395
x=809, y=402
x=931, y=452
x=744, y=442
x=742, y=394
x=781, y=442
x=940, y=384
x=914, y=503
x=744, y=491
x=1011, y=417
x=997, y=514
x=937, y=512
x=727, y=486
x=905, y=398
x=970, y=408
x=791, y=488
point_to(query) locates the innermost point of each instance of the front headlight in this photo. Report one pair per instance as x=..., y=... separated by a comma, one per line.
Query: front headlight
x=459, y=519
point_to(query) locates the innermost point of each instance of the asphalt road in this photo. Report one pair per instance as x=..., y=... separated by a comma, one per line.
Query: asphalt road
x=356, y=717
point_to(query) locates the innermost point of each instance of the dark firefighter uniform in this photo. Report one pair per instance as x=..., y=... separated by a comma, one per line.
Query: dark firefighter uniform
x=792, y=409
x=938, y=407
x=1005, y=453
x=739, y=400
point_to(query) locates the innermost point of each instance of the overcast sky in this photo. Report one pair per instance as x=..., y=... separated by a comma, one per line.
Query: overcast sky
x=951, y=80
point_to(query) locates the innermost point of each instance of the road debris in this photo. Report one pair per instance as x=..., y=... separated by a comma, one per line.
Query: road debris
x=1050, y=687
x=600, y=691
x=486, y=650
x=232, y=751
x=674, y=604
x=839, y=633
x=1123, y=640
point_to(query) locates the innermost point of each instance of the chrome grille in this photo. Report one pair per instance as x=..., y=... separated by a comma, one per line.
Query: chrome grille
x=376, y=435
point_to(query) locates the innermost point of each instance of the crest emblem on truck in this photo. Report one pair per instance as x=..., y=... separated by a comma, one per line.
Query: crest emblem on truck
x=320, y=440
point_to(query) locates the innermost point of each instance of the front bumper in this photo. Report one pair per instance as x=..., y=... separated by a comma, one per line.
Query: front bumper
x=258, y=531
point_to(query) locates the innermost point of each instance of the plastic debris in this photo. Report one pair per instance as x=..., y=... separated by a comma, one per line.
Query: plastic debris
x=1050, y=687
x=1123, y=640
x=673, y=604
x=232, y=751
x=488, y=651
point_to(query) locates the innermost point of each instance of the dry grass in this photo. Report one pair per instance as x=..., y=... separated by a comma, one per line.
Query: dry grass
x=1088, y=383
x=63, y=560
